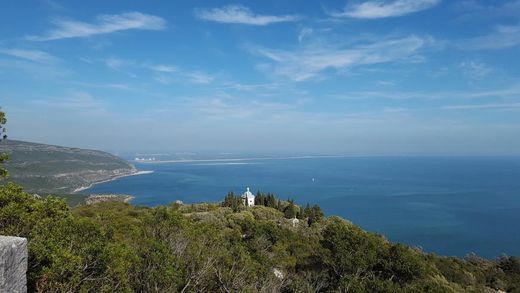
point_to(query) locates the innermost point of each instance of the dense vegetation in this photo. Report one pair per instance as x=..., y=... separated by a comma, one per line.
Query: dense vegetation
x=116, y=247
x=289, y=209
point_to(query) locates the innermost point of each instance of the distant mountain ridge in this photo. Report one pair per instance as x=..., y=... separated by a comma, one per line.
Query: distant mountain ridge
x=42, y=168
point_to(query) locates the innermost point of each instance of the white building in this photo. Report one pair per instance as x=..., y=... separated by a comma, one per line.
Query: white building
x=248, y=199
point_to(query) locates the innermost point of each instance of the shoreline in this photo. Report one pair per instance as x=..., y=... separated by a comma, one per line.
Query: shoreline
x=110, y=179
x=235, y=159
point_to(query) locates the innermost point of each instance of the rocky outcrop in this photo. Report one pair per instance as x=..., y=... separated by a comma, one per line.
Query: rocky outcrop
x=98, y=198
x=13, y=264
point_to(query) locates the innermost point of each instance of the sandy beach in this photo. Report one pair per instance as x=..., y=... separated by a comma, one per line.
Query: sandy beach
x=111, y=179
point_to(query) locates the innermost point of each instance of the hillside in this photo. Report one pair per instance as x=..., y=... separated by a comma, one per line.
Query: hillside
x=116, y=247
x=42, y=168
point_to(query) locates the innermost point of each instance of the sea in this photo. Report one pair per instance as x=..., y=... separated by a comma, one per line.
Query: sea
x=450, y=205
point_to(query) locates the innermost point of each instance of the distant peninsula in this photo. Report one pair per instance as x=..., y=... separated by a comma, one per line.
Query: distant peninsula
x=46, y=169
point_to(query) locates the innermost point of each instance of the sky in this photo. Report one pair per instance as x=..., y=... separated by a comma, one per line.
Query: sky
x=318, y=77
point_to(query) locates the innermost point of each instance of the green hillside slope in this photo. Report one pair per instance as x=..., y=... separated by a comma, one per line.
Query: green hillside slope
x=116, y=247
x=42, y=168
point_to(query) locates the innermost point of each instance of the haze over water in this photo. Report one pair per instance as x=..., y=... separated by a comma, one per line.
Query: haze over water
x=447, y=205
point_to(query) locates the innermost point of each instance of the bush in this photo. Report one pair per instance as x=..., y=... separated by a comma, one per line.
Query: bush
x=116, y=247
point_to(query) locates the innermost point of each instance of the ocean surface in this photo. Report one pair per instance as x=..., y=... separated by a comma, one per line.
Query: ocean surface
x=446, y=205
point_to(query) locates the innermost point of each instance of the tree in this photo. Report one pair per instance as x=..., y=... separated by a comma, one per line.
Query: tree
x=270, y=201
x=3, y=136
x=259, y=199
x=232, y=201
x=314, y=214
x=290, y=211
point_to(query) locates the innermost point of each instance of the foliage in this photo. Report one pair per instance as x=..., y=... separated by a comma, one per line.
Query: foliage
x=232, y=201
x=289, y=209
x=313, y=214
x=116, y=247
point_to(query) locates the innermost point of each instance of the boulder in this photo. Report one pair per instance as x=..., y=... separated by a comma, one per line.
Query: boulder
x=13, y=264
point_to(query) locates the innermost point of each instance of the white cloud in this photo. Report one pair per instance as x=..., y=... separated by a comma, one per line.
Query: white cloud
x=31, y=55
x=166, y=73
x=116, y=63
x=119, y=86
x=164, y=68
x=106, y=23
x=475, y=69
x=497, y=93
x=252, y=87
x=121, y=65
x=26, y=69
x=240, y=14
x=383, y=9
x=199, y=77
x=304, y=33
x=503, y=37
x=309, y=62
x=487, y=10
x=79, y=100
x=483, y=106
x=230, y=108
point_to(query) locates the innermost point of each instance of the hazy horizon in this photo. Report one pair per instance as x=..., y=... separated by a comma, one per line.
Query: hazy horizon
x=425, y=77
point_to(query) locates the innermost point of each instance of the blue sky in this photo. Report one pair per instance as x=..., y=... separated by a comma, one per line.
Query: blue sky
x=349, y=77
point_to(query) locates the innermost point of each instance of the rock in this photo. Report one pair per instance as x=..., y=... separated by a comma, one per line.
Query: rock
x=13, y=264
x=278, y=273
x=98, y=198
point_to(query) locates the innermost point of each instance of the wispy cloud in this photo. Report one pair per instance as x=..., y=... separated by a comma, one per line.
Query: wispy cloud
x=240, y=14
x=504, y=36
x=304, y=33
x=486, y=10
x=496, y=93
x=475, y=69
x=26, y=69
x=78, y=100
x=251, y=87
x=483, y=106
x=307, y=63
x=105, y=23
x=230, y=107
x=199, y=77
x=384, y=9
x=116, y=63
x=164, y=68
x=31, y=55
x=165, y=73
x=121, y=65
x=196, y=77
x=119, y=86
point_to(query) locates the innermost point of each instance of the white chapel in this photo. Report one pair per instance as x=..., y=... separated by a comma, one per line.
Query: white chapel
x=248, y=199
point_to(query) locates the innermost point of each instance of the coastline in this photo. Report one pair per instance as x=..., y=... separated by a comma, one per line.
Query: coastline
x=110, y=179
x=236, y=159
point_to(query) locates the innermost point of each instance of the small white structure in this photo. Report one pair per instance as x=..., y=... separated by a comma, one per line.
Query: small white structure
x=248, y=199
x=295, y=222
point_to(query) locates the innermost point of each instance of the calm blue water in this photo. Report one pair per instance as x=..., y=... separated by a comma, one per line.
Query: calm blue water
x=447, y=205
